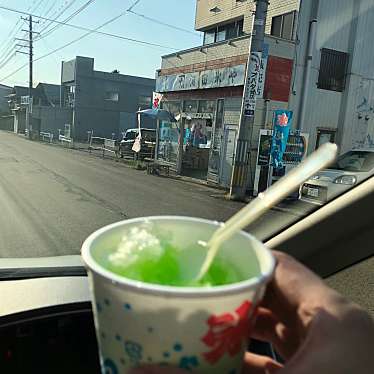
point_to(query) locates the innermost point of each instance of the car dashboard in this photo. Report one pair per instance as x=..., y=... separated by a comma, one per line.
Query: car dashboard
x=46, y=326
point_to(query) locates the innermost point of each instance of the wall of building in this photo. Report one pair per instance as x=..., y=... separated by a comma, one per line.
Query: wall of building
x=51, y=119
x=277, y=8
x=7, y=123
x=19, y=121
x=345, y=26
x=233, y=9
x=228, y=10
x=221, y=54
x=95, y=111
x=4, y=91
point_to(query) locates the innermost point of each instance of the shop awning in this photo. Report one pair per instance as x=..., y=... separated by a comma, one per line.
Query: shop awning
x=159, y=114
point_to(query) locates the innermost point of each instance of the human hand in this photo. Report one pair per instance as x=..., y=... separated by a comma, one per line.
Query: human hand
x=315, y=329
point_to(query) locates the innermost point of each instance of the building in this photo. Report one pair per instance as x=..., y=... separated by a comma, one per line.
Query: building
x=4, y=92
x=46, y=116
x=205, y=86
x=102, y=102
x=18, y=109
x=333, y=93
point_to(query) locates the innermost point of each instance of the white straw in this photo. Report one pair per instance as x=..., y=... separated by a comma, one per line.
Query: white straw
x=318, y=160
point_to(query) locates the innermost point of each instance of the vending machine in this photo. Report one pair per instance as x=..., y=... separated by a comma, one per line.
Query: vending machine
x=295, y=152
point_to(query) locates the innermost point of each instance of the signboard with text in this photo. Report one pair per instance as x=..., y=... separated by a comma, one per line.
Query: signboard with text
x=262, y=72
x=251, y=84
x=215, y=78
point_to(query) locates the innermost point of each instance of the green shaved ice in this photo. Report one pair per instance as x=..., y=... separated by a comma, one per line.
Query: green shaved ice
x=167, y=269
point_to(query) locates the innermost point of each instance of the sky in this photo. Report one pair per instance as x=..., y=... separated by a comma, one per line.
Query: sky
x=128, y=57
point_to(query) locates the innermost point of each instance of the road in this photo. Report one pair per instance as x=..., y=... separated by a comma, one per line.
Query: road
x=52, y=198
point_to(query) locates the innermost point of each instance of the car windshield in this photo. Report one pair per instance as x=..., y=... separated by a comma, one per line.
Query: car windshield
x=360, y=161
x=131, y=135
x=223, y=117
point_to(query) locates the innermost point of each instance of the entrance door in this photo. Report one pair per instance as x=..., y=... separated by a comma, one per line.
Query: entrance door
x=216, y=147
x=229, y=144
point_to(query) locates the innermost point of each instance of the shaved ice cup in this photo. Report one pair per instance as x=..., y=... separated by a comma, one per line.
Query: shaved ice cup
x=203, y=330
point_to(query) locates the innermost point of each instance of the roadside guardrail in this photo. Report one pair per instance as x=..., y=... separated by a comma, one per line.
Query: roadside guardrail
x=104, y=145
x=46, y=136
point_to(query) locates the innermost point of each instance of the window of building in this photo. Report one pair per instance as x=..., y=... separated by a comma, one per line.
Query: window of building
x=224, y=32
x=221, y=33
x=190, y=106
x=207, y=106
x=332, y=70
x=144, y=101
x=283, y=25
x=111, y=96
x=172, y=106
x=209, y=36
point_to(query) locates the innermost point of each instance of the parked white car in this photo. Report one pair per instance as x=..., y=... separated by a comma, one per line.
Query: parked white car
x=350, y=168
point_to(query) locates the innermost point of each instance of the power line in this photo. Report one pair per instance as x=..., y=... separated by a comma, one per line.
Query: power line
x=90, y=31
x=133, y=5
x=96, y=29
x=61, y=13
x=162, y=23
x=11, y=56
x=8, y=48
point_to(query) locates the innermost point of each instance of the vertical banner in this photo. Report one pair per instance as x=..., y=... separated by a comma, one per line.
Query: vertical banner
x=136, y=147
x=282, y=124
x=251, y=84
x=156, y=100
x=262, y=72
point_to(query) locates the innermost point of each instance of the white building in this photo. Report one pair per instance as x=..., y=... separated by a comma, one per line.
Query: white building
x=338, y=75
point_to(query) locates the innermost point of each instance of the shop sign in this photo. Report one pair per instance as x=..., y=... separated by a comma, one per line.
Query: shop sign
x=251, y=84
x=225, y=77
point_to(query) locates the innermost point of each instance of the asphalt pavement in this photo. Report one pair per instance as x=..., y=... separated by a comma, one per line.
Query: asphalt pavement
x=52, y=198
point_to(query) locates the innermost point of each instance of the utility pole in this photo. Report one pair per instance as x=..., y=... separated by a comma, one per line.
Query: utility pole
x=241, y=167
x=30, y=53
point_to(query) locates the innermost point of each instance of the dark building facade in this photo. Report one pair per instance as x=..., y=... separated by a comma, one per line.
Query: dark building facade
x=102, y=102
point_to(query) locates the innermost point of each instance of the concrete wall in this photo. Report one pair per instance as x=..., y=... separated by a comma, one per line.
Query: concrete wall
x=346, y=26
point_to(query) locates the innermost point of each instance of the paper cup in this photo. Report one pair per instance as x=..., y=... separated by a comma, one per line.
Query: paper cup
x=202, y=330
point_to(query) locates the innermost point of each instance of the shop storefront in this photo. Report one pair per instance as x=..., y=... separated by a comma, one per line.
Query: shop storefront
x=197, y=152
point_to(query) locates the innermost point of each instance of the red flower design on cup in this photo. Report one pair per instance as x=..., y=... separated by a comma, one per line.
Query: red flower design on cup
x=227, y=332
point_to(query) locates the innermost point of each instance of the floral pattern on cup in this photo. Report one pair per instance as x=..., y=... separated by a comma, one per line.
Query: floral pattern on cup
x=134, y=351
x=227, y=332
x=110, y=367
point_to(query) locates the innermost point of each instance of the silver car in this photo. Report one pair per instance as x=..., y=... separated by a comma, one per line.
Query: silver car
x=350, y=168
